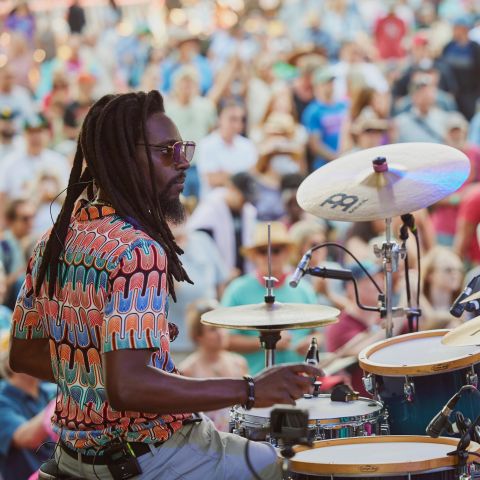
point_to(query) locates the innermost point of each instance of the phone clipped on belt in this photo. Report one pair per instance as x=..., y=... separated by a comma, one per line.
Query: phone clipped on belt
x=124, y=463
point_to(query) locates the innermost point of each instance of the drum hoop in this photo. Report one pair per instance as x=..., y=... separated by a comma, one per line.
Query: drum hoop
x=452, y=364
x=299, y=466
x=339, y=422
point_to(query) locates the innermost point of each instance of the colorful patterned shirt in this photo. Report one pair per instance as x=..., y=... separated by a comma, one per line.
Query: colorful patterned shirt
x=112, y=296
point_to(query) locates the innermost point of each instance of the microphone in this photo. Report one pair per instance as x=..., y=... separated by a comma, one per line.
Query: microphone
x=333, y=273
x=301, y=269
x=312, y=357
x=457, y=308
x=441, y=420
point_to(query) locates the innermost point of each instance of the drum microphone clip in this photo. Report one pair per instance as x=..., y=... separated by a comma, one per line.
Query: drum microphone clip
x=458, y=307
x=441, y=421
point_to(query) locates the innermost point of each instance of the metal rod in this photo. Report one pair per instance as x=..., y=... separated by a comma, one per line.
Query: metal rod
x=269, y=357
x=269, y=254
x=388, y=271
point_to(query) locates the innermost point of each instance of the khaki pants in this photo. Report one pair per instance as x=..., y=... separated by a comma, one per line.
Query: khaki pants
x=196, y=452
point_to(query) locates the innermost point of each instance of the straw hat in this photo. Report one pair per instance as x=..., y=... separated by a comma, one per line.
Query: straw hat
x=278, y=236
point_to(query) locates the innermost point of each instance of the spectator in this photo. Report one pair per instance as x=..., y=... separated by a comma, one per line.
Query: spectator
x=466, y=243
x=225, y=152
x=228, y=215
x=424, y=122
x=323, y=119
x=390, y=32
x=280, y=154
x=365, y=97
x=76, y=110
x=76, y=17
x=20, y=167
x=368, y=130
x=441, y=283
x=187, y=52
x=463, y=57
x=9, y=140
x=444, y=213
x=22, y=20
x=24, y=403
x=14, y=97
x=211, y=359
x=250, y=289
x=208, y=273
x=422, y=59
x=19, y=216
x=194, y=115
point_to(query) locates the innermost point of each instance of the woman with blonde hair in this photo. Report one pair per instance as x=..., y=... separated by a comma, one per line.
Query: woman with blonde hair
x=441, y=282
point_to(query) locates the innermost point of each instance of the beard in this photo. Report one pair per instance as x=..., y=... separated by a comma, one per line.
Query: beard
x=173, y=210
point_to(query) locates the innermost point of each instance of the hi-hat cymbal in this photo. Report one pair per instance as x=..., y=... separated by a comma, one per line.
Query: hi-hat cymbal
x=418, y=175
x=471, y=298
x=276, y=316
x=466, y=334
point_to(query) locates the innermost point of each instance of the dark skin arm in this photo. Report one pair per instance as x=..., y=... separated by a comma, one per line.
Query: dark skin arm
x=31, y=357
x=132, y=384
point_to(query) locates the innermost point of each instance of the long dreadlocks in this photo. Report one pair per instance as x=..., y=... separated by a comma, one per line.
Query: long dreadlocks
x=112, y=127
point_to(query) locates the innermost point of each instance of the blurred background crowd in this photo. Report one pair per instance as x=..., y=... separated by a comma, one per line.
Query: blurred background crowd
x=269, y=90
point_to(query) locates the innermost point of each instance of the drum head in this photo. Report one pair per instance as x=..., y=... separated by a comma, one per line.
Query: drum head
x=322, y=410
x=420, y=353
x=388, y=454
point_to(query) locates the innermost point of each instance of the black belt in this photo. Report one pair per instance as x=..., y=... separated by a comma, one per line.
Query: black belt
x=138, y=448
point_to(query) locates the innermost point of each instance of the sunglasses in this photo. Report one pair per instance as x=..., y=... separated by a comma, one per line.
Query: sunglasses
x=25, y=218
x=176, y=152
x=274, y=250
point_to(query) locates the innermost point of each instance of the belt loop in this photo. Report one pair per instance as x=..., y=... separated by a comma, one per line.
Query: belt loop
x=152, y=448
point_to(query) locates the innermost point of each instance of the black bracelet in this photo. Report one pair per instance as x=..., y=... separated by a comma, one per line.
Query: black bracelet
x=250, y=393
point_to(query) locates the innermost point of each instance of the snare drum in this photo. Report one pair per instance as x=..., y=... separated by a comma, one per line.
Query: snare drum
x=327, y=419
x=415, y=375
x=408, y=457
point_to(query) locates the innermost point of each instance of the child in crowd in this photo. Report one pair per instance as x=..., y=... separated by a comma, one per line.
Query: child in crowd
x=211, y=359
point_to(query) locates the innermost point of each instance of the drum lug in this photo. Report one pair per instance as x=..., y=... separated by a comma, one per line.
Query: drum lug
x=369, y=383
x=409, y=390
x=472, y=378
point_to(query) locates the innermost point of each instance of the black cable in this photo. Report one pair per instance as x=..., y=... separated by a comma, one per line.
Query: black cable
x=419, y=269
x=338, y=245
x=249, y=463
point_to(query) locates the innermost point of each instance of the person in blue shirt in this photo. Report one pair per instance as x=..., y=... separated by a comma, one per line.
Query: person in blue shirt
x=323, y=119
x=250, y=289
x=187, y=52
x=24, y=402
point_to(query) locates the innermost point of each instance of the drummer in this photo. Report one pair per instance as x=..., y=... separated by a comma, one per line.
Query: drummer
x=250, y=288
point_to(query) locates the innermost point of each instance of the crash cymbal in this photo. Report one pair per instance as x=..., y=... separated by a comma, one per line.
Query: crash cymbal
x=276, y=316
x=466, y=334
x=415, y=176
x=471, y=298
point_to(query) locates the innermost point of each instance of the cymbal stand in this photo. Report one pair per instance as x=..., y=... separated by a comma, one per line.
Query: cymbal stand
x=390, y=253
x=269, y=338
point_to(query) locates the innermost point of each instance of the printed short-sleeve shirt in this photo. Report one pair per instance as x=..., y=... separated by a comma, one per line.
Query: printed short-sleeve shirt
x=112, y=295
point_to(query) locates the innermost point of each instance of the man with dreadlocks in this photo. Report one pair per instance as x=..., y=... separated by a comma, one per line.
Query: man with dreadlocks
x=91, y=315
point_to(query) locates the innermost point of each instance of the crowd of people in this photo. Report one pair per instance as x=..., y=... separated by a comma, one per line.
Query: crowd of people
x=265, y=94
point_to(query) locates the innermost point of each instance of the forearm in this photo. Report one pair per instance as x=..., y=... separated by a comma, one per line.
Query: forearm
x=133, y=385
x=31, y=434
x=32, y=357
x=243, y=343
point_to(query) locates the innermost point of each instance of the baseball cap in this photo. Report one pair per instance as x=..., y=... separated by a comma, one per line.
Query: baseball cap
x=36, y=122
x=323, y=75
x=456, y=120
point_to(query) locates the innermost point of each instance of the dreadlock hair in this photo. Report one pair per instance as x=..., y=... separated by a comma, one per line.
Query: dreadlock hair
x=112, y=127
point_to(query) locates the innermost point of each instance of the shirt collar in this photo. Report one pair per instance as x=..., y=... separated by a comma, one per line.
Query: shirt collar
x=85, y=211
